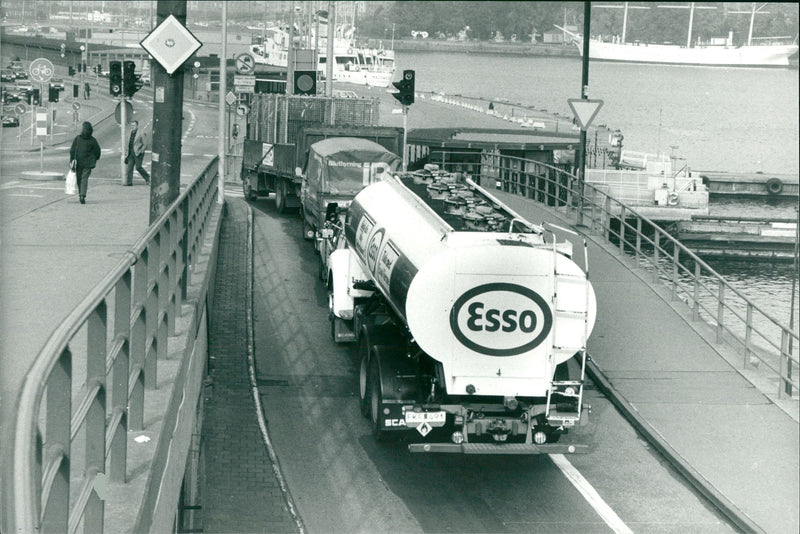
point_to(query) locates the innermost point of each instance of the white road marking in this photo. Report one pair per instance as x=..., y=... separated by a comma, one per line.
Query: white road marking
x=10, y=184
x=23, y=195
x=590, y=494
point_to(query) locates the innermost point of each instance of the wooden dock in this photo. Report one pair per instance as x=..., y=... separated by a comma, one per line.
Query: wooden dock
x=751, y=184
x=739, y=237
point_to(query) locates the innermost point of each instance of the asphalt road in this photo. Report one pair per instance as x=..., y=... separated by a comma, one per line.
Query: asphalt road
x=341, y=480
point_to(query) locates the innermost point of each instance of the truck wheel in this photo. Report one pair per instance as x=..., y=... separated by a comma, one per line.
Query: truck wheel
x=246, y=189
x=363, y=379
x=376, y=400
x=280, y=197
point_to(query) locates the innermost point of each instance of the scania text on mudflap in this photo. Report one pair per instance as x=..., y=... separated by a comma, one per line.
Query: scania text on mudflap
x=471, y=322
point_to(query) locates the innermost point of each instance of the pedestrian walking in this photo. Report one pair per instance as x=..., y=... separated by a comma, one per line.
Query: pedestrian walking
x=87, y=90
x=137, y=145
x=84, y=152
x=76, y=118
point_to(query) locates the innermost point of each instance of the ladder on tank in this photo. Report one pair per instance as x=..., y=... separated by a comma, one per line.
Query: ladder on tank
x=569, y=390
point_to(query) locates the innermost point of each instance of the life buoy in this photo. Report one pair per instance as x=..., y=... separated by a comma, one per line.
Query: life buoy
x=672, y=199
x=774, y=186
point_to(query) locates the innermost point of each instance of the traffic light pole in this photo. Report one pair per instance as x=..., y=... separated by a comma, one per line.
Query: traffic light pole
x=405, y=138
x=123, y=121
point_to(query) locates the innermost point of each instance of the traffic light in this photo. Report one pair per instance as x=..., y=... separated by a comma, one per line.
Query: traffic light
x=305, y=82
x=129, y=78
x=34, y=98
x=71, y=71
x=115, y=78
x=405, y=88
x=52, y=94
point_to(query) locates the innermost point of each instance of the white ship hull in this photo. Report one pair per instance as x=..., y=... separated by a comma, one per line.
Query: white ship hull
x=720, y=56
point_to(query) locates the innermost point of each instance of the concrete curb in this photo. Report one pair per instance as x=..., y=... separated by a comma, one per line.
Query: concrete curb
x=43, y=176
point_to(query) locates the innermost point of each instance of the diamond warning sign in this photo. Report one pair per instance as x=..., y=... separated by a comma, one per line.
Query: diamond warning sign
x=171, y=44
x=584, y=110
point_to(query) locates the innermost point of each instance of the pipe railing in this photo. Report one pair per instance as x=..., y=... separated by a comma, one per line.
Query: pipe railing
x=88, y=385
x=761, y=338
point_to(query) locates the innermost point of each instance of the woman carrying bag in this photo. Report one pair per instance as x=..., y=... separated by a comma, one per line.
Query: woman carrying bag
x=85, y=151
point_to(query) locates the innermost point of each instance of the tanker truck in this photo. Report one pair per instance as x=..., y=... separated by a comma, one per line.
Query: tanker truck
x=471, y=322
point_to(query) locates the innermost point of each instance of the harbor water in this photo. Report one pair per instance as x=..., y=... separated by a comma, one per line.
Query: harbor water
x=717, y=118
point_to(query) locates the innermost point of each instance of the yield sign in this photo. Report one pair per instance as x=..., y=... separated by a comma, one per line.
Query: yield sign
x=171, y=44
x=584, y=110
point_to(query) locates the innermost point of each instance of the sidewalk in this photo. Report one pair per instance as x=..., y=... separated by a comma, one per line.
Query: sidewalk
x=679, y=388
x=51, y=257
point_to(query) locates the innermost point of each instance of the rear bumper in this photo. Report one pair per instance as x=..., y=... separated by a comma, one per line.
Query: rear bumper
x=504, y=448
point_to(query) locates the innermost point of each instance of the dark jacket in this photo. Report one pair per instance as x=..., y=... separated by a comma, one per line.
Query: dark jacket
x=85, y=149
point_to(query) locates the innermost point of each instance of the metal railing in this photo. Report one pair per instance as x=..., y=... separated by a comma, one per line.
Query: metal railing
x=87, y=386
x=761, y=338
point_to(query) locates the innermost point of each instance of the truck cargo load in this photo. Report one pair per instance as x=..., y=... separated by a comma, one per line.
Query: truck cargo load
x=279, y=132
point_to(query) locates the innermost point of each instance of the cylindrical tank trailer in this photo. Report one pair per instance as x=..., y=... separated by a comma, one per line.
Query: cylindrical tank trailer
x=465, y=315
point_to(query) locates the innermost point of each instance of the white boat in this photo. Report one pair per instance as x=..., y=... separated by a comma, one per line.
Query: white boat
x=353, y=64
x=720, y=55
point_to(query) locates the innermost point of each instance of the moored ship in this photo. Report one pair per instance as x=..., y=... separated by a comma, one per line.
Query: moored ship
x=716, y=53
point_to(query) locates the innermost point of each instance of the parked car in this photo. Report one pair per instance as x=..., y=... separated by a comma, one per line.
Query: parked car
x=9, y=97
x=23, y=88
x=7, y=77
x=10, y=122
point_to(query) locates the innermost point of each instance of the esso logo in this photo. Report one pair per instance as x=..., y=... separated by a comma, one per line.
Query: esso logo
x=373, y=246
x=501, y=319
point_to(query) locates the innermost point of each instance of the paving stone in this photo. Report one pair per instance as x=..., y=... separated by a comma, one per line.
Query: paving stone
x=239, y=493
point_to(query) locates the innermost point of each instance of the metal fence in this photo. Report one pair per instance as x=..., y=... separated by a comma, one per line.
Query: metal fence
x=87, y=386
x=761, y=338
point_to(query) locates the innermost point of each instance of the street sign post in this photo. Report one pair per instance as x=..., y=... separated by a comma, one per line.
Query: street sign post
x=41, y=133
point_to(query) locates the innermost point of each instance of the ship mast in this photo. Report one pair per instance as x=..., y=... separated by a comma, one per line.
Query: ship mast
x=752, y=13
x=625, y=7
x=691, y=7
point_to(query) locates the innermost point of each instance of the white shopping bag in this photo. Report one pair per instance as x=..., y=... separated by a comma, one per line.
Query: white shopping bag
x=71, y=187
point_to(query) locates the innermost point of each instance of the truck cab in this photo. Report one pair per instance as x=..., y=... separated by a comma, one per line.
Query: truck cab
x=337, y=169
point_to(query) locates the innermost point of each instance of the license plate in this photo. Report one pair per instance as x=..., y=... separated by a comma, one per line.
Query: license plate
x=425, y=417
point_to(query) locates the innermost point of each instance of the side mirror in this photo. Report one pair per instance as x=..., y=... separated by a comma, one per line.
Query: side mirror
x=298, y=172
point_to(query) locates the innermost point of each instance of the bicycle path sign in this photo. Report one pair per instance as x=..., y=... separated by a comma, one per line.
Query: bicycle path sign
x=41, y=70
